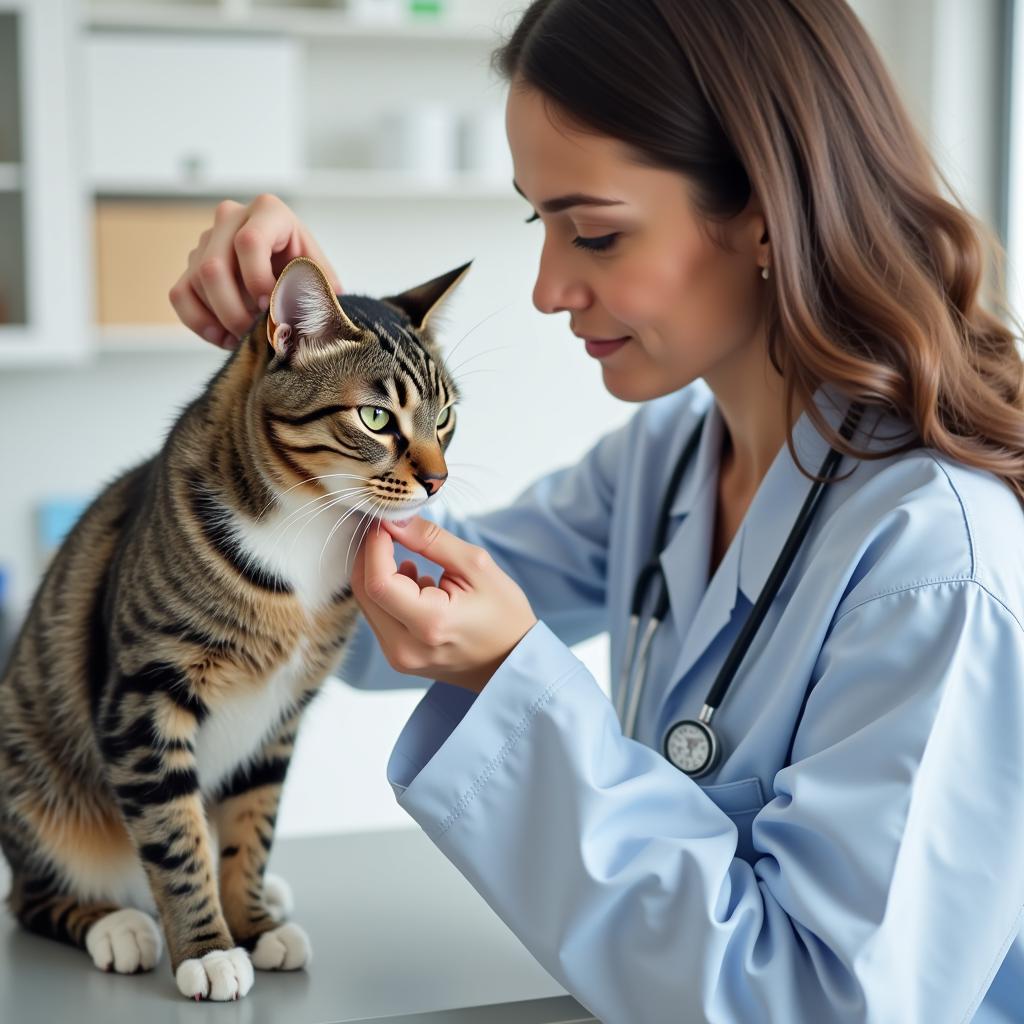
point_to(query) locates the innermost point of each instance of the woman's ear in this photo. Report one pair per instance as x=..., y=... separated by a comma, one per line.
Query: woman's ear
x=305, y=311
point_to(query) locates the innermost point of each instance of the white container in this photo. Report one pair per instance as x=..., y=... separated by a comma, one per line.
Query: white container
x=421, y=140
x=483, y=145
x=376, y=12
x=174, y=110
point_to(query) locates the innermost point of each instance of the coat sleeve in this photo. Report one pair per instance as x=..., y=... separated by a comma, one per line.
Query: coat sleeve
x=552, y=540
x=890, y=874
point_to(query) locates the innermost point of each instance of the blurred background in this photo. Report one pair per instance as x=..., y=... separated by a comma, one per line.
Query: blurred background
x=123, y=124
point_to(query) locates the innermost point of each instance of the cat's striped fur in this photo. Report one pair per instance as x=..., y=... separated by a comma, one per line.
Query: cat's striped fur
x=149, y=708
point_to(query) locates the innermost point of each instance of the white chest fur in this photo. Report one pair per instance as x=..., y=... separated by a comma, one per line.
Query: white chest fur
x=311, y=548
x=309, y=545
x=232, y=735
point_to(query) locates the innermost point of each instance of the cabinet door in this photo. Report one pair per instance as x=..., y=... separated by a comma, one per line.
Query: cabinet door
x=43, y=261
x=170, y=110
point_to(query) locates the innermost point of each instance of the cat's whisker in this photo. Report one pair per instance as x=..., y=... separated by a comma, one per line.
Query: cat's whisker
x=458, y=494
x=348, y=550
x=329, y=501
x=461, y=482
x=476, y=355
x=279, y=534
x=365, y=525
x=469, y=373
x=328, y=497
x=302, y=483
x=336, y=527
x=333, y=504
x=474, y=465
x=447, y=355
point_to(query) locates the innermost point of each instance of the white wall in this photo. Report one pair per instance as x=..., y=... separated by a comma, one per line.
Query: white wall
x=533, y=400
x=945, y=58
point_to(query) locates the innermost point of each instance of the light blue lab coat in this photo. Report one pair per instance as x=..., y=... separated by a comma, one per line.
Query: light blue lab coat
x=858, y=855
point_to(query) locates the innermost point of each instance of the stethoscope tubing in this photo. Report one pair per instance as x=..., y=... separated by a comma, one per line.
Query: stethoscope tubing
x=634, y=669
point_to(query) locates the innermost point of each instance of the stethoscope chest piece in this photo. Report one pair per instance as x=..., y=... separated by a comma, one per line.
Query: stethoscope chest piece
x=692, y=747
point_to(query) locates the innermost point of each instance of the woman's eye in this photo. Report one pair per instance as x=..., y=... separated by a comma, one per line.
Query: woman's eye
x=442, y=416
x=591, y=244
x=373, y=417
x=596, y=244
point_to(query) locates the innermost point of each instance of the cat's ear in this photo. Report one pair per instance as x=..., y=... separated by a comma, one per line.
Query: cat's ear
x=305, y=311
x=420, y=302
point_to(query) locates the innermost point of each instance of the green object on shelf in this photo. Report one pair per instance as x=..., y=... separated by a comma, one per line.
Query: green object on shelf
x=428, y=8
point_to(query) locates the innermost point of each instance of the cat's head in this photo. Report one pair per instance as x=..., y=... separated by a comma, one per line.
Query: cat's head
x=356, y=399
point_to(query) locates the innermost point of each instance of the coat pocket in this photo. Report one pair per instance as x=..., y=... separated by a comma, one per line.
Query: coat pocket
x=741, y=800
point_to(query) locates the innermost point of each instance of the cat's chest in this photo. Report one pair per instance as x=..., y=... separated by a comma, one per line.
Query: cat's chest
x=311, y=549
x=232, y=733
x=310, y=544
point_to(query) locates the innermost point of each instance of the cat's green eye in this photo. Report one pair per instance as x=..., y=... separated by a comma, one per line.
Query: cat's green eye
x=442, y=416
x=374, y=417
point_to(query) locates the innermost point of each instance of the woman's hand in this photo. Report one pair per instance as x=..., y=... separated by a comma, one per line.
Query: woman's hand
x=232, y=270
x=458, y=630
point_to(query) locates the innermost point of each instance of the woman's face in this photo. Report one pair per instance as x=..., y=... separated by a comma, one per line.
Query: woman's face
x=636, y=265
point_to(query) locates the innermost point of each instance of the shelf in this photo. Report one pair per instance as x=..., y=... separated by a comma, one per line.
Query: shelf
x=309, y=24
x=150, y=338
x=10, y=177
x=20, y=347
x=326, y=184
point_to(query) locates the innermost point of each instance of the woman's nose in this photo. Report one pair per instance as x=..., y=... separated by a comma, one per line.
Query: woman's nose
x=557, y=288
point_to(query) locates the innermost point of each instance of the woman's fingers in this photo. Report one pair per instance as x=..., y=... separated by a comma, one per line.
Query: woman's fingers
x=409, y=569
x=450, y=552
x=233, y=268
x=396, y=593
x=196, y=316
x=214, y=269
x=269, y=230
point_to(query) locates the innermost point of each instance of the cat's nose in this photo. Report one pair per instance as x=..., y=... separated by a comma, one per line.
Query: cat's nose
x=432, y=481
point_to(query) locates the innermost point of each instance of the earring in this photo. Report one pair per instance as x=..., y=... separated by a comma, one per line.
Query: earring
x=764, y=272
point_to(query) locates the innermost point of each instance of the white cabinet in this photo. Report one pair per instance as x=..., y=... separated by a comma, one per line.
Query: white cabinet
x=214, y=112
x=191, y=101
x=43, y=261
x=178, y=100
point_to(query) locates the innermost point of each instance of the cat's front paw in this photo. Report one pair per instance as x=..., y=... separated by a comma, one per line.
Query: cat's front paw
x=221, y=975
x=277, y=895
x=124, y=941
x=285, y=948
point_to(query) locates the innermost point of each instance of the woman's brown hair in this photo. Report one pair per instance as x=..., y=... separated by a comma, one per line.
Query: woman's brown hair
x=877, y=277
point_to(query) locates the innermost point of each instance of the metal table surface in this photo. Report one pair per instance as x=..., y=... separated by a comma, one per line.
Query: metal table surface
x=397, y=934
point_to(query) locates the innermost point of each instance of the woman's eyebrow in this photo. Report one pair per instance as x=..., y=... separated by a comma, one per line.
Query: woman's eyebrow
x=576, y=199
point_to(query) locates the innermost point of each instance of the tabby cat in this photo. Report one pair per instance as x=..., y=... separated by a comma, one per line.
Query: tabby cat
x=149, y=708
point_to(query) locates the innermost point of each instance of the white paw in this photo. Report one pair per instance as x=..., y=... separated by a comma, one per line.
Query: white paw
x=220, y=975
x=284, y=949
x=125, y=941
x=277, y=894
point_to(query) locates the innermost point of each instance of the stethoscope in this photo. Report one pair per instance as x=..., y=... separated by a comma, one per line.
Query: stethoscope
x=691, y=744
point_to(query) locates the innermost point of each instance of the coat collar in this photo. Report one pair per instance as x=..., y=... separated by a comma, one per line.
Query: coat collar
x=701, y=609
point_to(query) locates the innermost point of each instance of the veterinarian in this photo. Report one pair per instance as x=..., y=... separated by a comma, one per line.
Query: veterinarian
x=805, y=800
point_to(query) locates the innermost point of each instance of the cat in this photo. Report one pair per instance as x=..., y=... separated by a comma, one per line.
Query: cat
x=149, y=707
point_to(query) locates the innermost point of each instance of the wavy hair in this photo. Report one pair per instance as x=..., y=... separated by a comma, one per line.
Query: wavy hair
x=876, y=277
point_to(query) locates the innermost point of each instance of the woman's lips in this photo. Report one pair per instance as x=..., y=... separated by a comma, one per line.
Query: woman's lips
x=600, y=349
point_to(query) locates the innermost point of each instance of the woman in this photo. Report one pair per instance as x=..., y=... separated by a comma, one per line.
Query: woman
x=729, y=191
